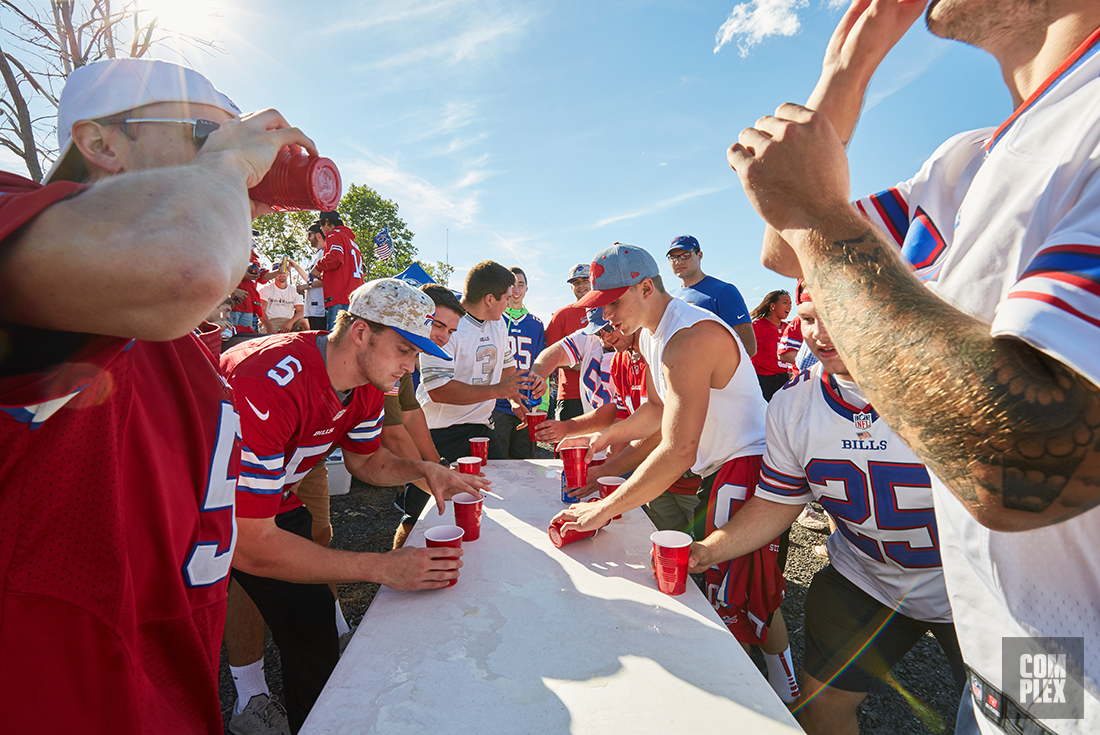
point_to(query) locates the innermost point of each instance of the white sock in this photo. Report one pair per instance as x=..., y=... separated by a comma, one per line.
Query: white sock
x=249, y=681
x=781, y=675
x=341, y=624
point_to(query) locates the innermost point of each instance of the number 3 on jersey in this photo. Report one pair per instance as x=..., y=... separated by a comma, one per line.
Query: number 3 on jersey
x=210, y=557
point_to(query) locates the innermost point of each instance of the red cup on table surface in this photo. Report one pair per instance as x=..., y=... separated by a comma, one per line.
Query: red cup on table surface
x=467, y=508
x=671, y=550
x=444, y=537
x=576, y=471
x=298, y=182
x=609, y=485
x=534, y=418
x=559, y=539
x=479, y=447
x=469, y=465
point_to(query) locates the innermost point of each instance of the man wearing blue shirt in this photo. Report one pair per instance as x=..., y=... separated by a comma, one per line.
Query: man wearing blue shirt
x=527, y=334
x=707, y=292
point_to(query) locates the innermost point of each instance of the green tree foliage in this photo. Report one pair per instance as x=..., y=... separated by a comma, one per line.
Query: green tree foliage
x=366, y=213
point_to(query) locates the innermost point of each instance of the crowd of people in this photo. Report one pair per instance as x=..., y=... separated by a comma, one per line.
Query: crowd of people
x=163, y=486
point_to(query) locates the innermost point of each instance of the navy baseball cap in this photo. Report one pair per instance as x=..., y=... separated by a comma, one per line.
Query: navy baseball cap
x=684, y=242
x=596, y=322
x=614, y=270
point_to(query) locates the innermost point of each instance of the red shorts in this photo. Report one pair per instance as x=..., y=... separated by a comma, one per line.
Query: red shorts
x=747, y=590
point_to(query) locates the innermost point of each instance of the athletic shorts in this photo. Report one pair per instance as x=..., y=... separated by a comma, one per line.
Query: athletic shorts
x=841, y=617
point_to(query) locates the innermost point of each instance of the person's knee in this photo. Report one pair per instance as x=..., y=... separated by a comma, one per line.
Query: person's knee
x=825, y=709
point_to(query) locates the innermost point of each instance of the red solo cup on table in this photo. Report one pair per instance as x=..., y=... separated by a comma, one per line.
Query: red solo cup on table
x=559, y=539
x=468, y=515
x=298, y=182
x=609, y=485
x=469, y=465
x=534, y=418
x=576, y=471
x=671, y=550
x=598, y=458
x=444, y=537
x=479, y=447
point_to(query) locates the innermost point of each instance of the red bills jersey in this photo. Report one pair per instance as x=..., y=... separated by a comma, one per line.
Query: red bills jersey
x=341, y=266
x=116, y=525
x=291, y=416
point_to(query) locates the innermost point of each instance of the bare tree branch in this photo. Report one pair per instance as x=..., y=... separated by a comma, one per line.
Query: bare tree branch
x=23, y=126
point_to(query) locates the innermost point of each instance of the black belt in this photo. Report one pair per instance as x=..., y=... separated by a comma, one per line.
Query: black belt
x=1002, y=710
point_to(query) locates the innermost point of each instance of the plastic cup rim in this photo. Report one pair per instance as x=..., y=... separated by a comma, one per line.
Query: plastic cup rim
x=449, y=533
x=466, y=499
x=671, y=539
x=614, y=481
x=479, y=439
x=468, y=460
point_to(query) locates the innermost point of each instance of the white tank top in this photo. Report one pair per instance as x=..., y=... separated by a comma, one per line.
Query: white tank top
x=735, y=417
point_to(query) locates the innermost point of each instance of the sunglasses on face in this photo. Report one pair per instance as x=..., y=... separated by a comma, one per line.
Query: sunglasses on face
x=200, y=128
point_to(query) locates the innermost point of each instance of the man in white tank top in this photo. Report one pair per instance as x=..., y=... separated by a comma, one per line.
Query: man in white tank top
x=704, y=401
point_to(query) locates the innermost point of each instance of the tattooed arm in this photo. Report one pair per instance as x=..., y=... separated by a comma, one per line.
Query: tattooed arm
x=1013, y=433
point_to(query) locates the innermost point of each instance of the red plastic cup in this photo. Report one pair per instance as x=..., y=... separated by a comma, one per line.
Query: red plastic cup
x=598, y=458
x=468, y=515
x=469, y=465
x=444, y=537
x=671, y=550
x=298, y=182
x=534, y=418
x=576, y=471
x=608, y=485
x=479, y=447
x=559, y=539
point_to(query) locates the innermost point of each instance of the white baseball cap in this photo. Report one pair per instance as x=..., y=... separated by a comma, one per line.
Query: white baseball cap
x=109, y=87
x=406, y=310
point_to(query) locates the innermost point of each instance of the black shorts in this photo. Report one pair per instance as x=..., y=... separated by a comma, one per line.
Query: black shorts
x=411, y=501
x=453, y=442
x=840, y=618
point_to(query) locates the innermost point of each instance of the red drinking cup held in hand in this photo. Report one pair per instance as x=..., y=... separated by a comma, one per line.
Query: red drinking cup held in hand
x=444, y=537
x=534, y=418
x=576, y=470
x=671, y=552
x=298, y=182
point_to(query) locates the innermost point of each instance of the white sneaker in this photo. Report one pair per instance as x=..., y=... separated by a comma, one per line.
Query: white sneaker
x=812, y=519
x=261, y=716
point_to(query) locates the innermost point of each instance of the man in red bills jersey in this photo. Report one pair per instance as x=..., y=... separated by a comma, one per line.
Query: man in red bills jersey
x=298, y=395
x=120, y=447
x=883, y=589
x=992, y=374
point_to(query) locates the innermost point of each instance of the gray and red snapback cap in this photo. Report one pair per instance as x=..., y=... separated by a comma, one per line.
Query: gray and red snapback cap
x=614, y=270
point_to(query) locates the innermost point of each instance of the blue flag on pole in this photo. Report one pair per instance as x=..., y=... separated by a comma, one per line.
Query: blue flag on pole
x=383, y=245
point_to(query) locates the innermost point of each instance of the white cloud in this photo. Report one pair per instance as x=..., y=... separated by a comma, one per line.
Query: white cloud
x=756, y=21
x=469, y=44
x=662, y=205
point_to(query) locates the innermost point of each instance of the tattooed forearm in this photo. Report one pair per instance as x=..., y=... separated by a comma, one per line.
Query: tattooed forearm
x=1013, y=433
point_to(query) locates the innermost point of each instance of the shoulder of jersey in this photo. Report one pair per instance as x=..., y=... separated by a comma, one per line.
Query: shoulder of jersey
x=797, y=394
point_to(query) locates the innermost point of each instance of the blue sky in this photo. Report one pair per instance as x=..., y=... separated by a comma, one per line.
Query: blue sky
x=541, y=132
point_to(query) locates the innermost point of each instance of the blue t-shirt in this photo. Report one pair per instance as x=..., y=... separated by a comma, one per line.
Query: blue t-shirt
x=527, y=336
x=717, y=297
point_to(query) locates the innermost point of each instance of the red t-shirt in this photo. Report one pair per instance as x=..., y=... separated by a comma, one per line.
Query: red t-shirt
x=341, y=266
x=290, y=416
x=116, y=528
x=563, y=323
x=766, y=360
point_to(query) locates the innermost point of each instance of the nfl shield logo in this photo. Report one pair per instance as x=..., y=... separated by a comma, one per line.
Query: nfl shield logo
x=862, y=420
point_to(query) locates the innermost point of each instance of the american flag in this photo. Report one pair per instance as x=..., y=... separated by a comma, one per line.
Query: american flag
x=383, y=245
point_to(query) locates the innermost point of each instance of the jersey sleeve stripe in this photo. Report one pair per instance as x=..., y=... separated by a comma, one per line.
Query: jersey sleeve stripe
x=261, y=484
x=1079, y=260
x=571, y=347
x=1055, y=302
x=893, y=213
x=271, y=463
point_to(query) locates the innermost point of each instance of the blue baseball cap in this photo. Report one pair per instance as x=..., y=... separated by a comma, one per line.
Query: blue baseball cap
x=684, y=242
x=596, y=322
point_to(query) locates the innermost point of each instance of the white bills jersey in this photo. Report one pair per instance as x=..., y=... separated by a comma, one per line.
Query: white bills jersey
x=586, y=351
x=1005, y=224
x=481, y=352
x=825, y=443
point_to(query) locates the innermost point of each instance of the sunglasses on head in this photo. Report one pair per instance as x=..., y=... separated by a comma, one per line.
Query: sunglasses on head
x=200, y=127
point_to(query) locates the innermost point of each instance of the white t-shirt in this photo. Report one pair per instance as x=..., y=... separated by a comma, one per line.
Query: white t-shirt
x=480, y=352
x=587, y=352
x=1005, y=225
x=315, y=295
x=280, y=301
x=734, y=426
x=826, y=443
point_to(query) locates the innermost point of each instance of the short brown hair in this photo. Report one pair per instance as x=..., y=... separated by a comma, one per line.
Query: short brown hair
x=487, y=277
x=344, y=320
x=516, y=270
x=443, y=296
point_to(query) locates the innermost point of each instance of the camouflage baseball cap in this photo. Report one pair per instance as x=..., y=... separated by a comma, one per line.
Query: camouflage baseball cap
x=405, y=309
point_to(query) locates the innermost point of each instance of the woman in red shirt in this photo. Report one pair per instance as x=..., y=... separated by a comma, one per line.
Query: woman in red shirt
x=768, y=323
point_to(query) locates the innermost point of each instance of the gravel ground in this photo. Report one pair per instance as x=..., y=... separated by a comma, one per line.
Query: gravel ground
x=365, y=520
